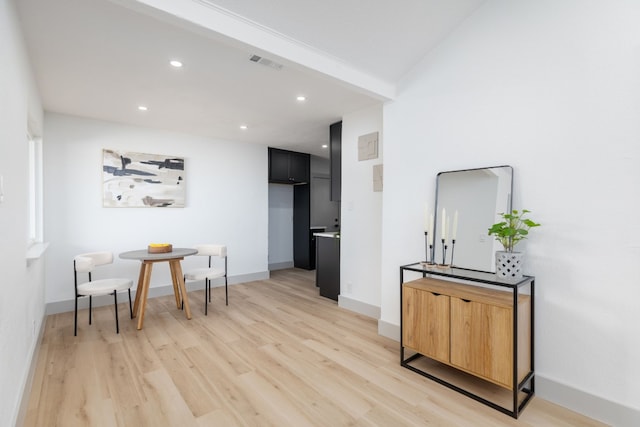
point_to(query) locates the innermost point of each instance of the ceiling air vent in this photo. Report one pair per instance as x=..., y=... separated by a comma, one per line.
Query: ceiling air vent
x=266, y=62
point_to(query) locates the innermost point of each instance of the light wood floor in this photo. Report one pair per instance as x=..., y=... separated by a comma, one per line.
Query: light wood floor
x=278, y=355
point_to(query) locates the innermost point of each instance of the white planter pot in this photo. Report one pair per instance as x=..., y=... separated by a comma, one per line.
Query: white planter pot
x=509, y=265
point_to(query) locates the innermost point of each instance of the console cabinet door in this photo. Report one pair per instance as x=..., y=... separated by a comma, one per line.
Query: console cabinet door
x=481, y=340
x=426, y=323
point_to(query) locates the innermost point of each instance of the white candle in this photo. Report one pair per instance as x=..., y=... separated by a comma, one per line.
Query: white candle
x=431, y=236
x=444, y=224
x=448, y=229
x=426, y=218
x=454, y=231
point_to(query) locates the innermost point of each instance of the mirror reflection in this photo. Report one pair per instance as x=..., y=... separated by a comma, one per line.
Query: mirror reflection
x=471, y=200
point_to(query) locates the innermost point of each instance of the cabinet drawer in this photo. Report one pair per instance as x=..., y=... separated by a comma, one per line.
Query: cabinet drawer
x=482, y=340
x=426, y=323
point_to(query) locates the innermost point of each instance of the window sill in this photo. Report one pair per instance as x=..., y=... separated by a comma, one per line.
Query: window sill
x=36, y=250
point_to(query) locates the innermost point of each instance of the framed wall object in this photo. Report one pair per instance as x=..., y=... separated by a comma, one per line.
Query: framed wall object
x=368, y=146
x=139, y=180
x=377, y=178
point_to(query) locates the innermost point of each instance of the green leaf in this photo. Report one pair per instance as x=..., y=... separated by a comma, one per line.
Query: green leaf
x=530, y=223
x=513, y=229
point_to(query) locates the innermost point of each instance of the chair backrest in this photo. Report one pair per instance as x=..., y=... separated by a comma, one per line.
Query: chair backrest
x=85, y=263
x=212, y=250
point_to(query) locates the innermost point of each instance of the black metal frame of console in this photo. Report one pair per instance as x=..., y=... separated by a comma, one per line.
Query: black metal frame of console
x=488, y=279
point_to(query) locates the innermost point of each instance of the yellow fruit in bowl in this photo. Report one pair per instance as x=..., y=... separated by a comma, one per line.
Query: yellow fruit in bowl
x=159, y=247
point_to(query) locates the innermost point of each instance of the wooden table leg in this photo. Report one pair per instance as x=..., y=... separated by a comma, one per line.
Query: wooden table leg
x=145, y=291
x=176, y=288
x=139, y=289
x=176, y=273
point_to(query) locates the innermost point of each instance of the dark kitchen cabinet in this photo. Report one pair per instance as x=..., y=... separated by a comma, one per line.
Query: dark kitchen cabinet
x=293, y=168
x=328, y=265
x=335, y=156
x=312, y=245
x=288, y=167
x=301, y=238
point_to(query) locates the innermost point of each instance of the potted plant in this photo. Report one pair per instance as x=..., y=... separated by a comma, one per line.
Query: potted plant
x=513, y=228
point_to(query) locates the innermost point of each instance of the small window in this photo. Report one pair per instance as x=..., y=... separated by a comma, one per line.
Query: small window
x=35, y=191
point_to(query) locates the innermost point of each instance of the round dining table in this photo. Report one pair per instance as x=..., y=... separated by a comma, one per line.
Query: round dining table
x=147, y=260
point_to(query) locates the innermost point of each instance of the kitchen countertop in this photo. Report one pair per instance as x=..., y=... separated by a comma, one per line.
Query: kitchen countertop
x=331, y=234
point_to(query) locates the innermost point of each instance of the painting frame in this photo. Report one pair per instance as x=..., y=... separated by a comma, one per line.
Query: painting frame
x=142, y=180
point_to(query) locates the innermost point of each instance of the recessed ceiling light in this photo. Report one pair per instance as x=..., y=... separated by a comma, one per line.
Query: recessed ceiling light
x=142, y=107
x=243, y=127
x=176, y=63
x=325, y=146
x=301, y=98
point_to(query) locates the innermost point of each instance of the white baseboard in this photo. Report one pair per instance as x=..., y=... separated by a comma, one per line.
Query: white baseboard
x=595, y=407
x=156, y=291
x=389, y=330
x=26, y=389
x=359, y=307
x=280, y=265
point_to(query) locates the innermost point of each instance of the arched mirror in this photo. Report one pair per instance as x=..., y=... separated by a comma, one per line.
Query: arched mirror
x=478, y=196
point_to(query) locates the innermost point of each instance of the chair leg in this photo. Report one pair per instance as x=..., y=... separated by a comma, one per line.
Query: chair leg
x=115, y=305
x=89, y=309
x=207, y=295
x=181, y=298
x=226, y=271
x=75, y=319
x=130, y=308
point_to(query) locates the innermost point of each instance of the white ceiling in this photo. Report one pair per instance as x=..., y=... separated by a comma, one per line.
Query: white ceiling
x=103, y=58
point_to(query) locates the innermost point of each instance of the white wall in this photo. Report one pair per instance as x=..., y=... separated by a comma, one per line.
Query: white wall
x=226, y=200
x=280, y=226
x=22, y=300
x=360, y=210
x=552, y=88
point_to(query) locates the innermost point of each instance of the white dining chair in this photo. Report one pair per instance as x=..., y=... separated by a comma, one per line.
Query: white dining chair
x=210, y=272
x=86, y=263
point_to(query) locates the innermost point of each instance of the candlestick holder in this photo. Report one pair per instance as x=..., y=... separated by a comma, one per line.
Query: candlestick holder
x=444, y=255
x=453, y=247
x=428, y=248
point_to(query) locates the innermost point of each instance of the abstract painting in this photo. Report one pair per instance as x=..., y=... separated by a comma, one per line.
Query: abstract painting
x=137, y=180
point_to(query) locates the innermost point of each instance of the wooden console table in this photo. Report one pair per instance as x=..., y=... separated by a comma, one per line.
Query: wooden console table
x=474, y=322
